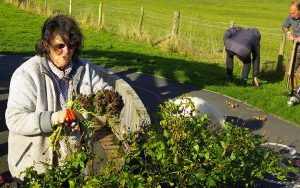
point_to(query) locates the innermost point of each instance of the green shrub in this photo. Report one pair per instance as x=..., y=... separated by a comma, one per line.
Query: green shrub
x=182, y=151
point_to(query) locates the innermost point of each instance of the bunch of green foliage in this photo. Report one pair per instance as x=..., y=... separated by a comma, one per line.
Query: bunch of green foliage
x=73, y=171
x=102, y=103
x=183, y=152
x=106, y=103
x=179, y=152
x=76, y=167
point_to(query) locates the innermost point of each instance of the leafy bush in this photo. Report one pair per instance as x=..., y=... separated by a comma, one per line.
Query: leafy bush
x=73, y=171
x=181, y=151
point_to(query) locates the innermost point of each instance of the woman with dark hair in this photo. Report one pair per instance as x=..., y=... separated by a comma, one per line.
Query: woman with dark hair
x=39, y=91
x=64, y=28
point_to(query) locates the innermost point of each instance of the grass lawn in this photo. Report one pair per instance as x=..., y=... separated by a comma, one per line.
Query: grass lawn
x=20, y=30
x=258, y=13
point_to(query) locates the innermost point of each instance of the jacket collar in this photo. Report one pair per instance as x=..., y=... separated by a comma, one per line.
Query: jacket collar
x=75, y=74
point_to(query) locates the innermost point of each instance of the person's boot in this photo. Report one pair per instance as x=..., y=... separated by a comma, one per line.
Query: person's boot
x=244, y=82
x=230, y=78
x=255, y=82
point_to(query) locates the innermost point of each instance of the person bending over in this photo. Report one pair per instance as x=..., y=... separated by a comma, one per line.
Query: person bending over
x=243, y=43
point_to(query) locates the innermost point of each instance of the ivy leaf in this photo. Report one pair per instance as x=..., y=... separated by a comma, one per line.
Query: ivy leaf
x=201, y=173
x=175, y=160
x=232, y=156
x=122, y=183
x=71, y=183
x=127, y=160
x=159, y=155
x=206, y=155
x=137, y=153
x=166, y=134
x=162, y=146
x=149, y=179
x=81, y=164
x=211, y=182
x=223, y=144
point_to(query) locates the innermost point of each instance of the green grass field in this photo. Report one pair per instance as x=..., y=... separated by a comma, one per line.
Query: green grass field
x=20, y=30
x=256, y=13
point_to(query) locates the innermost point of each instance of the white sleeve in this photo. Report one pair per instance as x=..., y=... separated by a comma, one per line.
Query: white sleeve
x=98, y=83
x=92, y=82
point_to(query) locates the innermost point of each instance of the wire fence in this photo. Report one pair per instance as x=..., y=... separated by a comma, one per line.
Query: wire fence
x=200, y=35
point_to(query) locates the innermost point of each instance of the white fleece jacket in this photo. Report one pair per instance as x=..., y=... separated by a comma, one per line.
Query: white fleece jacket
x=32, y=99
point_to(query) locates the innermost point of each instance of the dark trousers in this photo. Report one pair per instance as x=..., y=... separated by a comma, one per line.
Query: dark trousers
x=229, y=64
x=297, y=63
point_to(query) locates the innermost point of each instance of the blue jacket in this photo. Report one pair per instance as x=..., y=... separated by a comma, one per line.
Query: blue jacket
x=244, y=42
x=294, y=23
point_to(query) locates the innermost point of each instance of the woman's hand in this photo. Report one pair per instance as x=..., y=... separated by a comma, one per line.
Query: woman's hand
x=289, y=36
x=64, y=117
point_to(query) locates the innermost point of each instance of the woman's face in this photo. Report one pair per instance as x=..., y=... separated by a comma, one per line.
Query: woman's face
x=60, y=53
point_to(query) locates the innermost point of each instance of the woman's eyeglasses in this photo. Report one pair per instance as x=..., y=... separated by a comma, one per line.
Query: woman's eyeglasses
x=60, y=47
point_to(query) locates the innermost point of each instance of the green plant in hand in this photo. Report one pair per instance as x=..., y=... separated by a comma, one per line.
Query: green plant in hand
x=108, y=102
x=105, y=103
x=70, y=172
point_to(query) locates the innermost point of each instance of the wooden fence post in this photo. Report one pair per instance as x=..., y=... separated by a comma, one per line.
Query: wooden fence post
x=175, y=29
x=280, y=67
x=282, y=44
x=232, y=23
x=45, y=9
x=100, y=16
x=28, y=4
x=141, y=20
x=70, y=7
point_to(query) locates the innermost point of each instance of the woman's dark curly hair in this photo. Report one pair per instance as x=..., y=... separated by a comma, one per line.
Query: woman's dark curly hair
x=64, y=26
